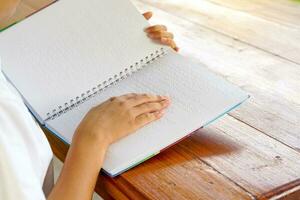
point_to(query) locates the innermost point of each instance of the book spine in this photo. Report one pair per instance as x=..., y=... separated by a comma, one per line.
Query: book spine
x=97, y=89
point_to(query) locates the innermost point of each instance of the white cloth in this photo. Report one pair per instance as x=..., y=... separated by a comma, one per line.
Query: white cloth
x=25, y=153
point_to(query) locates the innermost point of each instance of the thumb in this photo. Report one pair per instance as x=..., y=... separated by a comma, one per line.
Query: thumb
x=147, y=15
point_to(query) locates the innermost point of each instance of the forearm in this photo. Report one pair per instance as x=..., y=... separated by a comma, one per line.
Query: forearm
x=103, y=125
x=80, y=171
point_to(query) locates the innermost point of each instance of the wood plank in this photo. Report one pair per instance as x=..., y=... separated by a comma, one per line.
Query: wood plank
x=274, y=83
x=173, y=173
x=36, y=5
x=60, y=150
x=280, y=193
x=236, y=148
x=22, y=11
x=180, y=168
x=284, y=12
x=209, y=146
x=255, y=162
x=272, y=37
x=25, y=9
x=177, y=174
x=250, y=159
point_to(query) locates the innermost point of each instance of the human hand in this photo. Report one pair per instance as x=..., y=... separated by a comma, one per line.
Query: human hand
x=159, y=33
x=119, y=116
x=101, y=126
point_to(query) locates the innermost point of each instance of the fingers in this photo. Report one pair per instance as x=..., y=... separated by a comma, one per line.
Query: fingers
x=150, y=107
x=169, y=42
x=133, y=99
x=156, y=28
x=147, y=118
x=127, y=96
x=145, y=98
x=137, y=109
x=149, y=111
x=147, y=15
x=160, y=34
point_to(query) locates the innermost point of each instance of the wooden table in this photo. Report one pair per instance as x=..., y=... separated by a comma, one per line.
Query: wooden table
x=252, y=153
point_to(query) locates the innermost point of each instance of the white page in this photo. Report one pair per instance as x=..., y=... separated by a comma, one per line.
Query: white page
x=70, y=47
x=197, y=96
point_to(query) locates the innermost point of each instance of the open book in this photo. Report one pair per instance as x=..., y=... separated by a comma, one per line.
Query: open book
x=74, y=55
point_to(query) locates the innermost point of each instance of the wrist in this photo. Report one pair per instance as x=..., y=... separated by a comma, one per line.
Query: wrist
x=90, y=149
x=91, y=139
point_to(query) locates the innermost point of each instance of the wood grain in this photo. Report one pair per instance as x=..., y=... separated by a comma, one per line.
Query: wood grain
x=36, y=5
x=250, y=155
x=272, y=82
x=25, y=9
x=252, y=152
x=177, y=174
x=271, y=37
x=22, y=11
x=173, y=174
x=283, y=12
x=210, y=165
x=280, y=193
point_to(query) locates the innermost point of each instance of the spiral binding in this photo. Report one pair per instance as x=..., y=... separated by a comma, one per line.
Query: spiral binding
x=61, y=109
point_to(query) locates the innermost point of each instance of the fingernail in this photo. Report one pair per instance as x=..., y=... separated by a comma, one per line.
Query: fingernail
x=165, y=97
x=162, y=112
x=165, y=102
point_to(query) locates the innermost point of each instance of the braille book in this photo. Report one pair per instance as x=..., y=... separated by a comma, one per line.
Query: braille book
x=74, y=54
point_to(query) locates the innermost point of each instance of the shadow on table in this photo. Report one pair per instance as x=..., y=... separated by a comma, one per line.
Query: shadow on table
x=188, y=153
x=206, y=143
